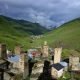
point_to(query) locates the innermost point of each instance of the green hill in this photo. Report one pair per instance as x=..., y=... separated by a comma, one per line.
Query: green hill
x=13, y=32
x=67, y=35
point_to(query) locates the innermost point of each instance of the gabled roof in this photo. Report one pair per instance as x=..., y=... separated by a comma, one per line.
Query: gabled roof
x=57, y=66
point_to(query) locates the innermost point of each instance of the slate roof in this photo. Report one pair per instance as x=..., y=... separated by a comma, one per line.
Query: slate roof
x=57, y=66
x=64, y=64
x=14, y=58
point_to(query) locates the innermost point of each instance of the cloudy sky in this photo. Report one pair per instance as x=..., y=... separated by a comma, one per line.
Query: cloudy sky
x=45, y=12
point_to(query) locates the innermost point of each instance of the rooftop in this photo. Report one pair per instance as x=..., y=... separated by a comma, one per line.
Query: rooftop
x=57, y=66
x=64, y=64
x=14, y=58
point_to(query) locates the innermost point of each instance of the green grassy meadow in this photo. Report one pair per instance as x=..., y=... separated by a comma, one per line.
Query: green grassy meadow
x=67, y=36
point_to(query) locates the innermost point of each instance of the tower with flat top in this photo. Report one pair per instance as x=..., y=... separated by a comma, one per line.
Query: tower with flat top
x=23, y=64
x=45, y=49
x=74, y=62
x=3, y=52
x=57, y=55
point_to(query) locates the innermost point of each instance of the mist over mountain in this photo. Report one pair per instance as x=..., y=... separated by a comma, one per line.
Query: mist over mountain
x=14, y=31
x=67, y=35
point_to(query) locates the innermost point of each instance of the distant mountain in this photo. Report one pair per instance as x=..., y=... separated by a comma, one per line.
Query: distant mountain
x=22, y=25
x=67, y=35
x=14, y=31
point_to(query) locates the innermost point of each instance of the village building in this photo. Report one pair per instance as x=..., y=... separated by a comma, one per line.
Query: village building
x=34, y=53
x=65, y=64
x=16, y=64
x=74, y=63
x=20, y=63
x=57, y=55
x=57, y=70
x=12, y=65
x=14, y=61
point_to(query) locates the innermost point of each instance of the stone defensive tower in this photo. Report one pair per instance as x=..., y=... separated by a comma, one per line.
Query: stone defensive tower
x=18, y=50
x=45, y=49
x=22, y=61
x=3, y=53
x=57, y=55
x=23, y=64
x=74, y=62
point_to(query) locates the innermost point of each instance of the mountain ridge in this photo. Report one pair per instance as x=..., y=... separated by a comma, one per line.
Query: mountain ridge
x=14, y=32
x=33, y=28
x=67, y=35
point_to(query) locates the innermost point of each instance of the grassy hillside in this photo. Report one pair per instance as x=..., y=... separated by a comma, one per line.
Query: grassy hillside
x=13, y=32
x=68, y=35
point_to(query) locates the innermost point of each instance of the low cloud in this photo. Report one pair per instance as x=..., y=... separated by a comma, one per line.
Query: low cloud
x=46, y=12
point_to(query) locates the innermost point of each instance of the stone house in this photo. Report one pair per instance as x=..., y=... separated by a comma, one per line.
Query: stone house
x=19, y=62
x=14, y=61
x=13, y=65
x=65, y=64
x=33, y=53
x=57, y=70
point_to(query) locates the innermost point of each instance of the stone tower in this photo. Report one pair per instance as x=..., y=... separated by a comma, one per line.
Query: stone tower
x=57, y=55
x=23, y=65
x=3, y=53
x=74, y=62
x=18, y=50
x=45, y=49
x=22, y=61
